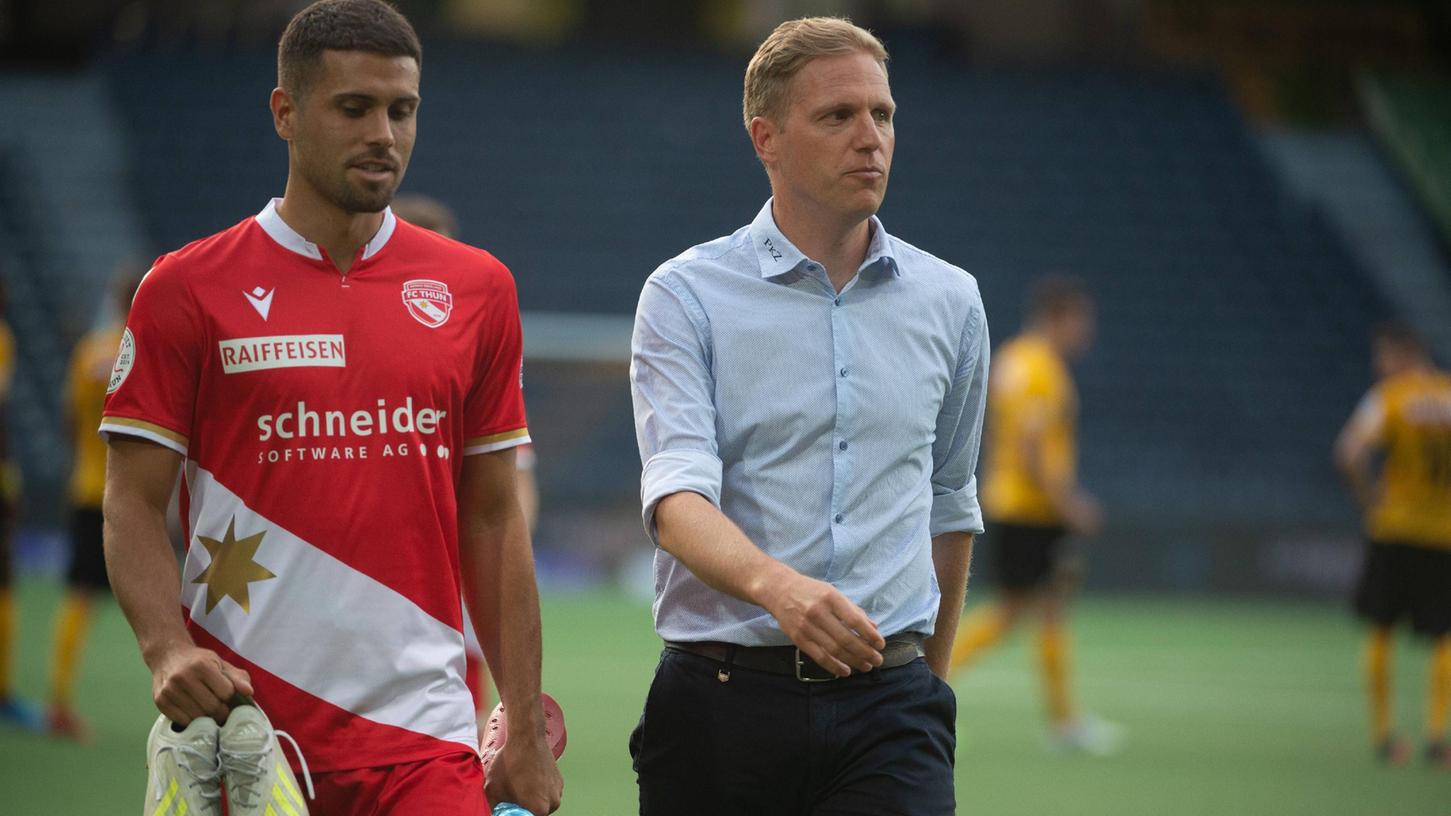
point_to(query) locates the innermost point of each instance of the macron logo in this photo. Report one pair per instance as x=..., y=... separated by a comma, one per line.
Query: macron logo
x=261, y=300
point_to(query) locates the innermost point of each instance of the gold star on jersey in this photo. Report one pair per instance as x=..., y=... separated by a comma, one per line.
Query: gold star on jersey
x=232, y=568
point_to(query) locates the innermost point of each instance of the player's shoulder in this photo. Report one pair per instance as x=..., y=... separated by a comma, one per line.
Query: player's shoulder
x=1034, y=358
x=1441, y=380
x=214, y=248
x=471, y=264
x=1397, y=388
x=200, y=258
x=1023, y=349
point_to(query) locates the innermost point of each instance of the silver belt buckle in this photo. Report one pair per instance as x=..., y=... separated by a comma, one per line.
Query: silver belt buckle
x=800, y=663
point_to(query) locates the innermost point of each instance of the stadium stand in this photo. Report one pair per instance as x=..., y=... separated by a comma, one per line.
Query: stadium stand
x=67, y=212
x=40, y=359
x=1230, y=307
x=1344, y=174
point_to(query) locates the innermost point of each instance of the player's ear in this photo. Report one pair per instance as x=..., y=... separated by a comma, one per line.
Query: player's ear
x=763, y=138
x=283, y=113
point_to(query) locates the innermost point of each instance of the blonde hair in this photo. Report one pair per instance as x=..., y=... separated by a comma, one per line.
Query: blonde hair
x=793, y=44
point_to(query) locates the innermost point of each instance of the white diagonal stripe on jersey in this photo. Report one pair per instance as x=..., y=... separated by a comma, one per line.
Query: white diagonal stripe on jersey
x=317, y=626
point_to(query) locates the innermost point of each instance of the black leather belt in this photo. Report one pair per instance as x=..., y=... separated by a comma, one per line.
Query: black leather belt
x=791, y=661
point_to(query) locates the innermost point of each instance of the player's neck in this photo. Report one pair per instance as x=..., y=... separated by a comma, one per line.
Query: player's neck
x=839, y=244
x=1044, y=334
x=1038, y=332
x=338, y=232
x=1416, y=369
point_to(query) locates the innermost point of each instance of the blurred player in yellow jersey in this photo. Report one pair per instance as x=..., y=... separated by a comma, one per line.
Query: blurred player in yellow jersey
x=1032, y=498
x=13, y=710
x=86, y=381
x=1405, y=423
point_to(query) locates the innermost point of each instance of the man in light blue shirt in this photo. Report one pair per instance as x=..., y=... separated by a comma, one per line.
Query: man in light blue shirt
x=808, y=400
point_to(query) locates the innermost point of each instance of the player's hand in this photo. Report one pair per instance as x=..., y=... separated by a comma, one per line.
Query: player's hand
x=823, y=623
x=526, y=774
x=1084, y=515
x=188, y=681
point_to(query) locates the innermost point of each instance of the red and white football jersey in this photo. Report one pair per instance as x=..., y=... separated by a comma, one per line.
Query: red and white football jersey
x=324, y=418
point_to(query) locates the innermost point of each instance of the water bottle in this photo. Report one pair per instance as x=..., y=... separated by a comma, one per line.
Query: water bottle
x=510, y=809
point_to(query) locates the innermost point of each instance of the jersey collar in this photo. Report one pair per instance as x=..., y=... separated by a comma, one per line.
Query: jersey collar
x=290, y=239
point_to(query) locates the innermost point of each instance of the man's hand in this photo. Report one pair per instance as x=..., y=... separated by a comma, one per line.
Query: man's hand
x=526, y=774
x=822, y=622
x=188, y=681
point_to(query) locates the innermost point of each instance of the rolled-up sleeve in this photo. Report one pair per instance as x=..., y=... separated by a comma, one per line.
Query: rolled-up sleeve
x=672, y=390
x=959, y=434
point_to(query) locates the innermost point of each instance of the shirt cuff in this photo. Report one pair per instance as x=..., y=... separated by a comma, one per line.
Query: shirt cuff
x=677, y=471
x=956, y=512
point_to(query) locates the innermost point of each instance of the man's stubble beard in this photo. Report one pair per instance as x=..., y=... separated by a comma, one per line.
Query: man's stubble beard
x=349, y=198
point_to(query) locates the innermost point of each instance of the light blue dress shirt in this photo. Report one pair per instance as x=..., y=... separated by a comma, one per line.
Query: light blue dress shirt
x=840, y=432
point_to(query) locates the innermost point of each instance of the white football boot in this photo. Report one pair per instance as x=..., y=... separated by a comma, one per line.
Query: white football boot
x=183, y=778
x=1087, y=734
x=259, y=781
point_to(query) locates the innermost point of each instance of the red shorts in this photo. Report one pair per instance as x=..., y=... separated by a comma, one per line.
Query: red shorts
x=452, y=784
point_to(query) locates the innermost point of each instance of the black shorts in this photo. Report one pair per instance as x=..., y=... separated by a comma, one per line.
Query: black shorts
x=1404, y=580
x=88, y=558
x=1026, y=556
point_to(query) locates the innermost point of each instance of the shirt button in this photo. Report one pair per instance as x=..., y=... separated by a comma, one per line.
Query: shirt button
x=837, y=301
x=839, y=518
x=841, y=445
x=843, y=371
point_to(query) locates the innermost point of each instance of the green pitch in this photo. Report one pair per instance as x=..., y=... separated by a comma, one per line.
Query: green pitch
x=1231, y=708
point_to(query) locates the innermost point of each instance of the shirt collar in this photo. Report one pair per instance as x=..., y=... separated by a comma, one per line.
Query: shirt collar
x=777, y=255
x=879, y=251
x=292, y=240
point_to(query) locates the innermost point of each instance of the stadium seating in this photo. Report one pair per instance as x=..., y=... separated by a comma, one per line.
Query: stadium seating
x=67, y=218
x=1233, y=319
x=40, y=350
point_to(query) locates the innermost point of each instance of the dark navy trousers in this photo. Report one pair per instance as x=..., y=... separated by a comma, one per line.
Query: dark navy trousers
x=762, y=744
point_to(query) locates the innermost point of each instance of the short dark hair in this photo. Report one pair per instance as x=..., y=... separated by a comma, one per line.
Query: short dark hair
x=1401, y=335
x=1055, y=294
x=373, y=26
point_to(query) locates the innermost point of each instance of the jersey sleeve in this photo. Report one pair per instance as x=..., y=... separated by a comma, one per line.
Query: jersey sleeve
x=153, y=385
x=494, y=410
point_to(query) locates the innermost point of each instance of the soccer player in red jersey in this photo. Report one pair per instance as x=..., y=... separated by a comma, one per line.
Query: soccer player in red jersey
x=341, y=392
